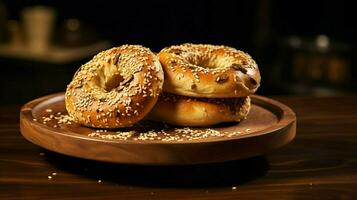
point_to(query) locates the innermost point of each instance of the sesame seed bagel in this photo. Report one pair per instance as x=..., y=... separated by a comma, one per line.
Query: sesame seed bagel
x=188, y=111
x=198, y=70
x=117, y=88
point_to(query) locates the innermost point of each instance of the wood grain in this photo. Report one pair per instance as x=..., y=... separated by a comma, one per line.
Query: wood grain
x=270, y=124
x=320, y=163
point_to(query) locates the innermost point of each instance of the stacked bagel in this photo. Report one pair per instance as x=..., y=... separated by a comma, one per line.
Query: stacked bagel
x=185, y=85
x=205, y=85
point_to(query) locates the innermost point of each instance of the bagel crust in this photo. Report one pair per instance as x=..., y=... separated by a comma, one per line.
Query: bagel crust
x=117, y=88
x=199, y=70
x=188, y=111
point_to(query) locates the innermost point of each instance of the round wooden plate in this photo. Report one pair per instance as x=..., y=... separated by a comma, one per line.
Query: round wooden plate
x=268, y=126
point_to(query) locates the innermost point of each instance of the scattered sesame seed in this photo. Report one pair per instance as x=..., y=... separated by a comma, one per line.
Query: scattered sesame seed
x=177, y=134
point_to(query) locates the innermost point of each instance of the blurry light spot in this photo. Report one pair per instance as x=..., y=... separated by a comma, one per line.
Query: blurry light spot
x=322, y=41
x=294, y=41
x=72, y=24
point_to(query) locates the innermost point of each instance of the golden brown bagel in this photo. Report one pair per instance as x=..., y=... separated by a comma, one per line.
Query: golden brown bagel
x=199, y=70
x=188, y=111
x=117, y=88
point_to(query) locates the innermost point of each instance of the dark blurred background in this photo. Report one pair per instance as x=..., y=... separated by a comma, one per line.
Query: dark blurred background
x=301, y=47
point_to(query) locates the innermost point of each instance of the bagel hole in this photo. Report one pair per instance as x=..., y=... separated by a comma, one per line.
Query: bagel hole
x=113, y=82
x=201, y=61
x=207, y=62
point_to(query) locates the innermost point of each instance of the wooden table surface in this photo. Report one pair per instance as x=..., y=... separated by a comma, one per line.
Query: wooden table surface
x=321, y=163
